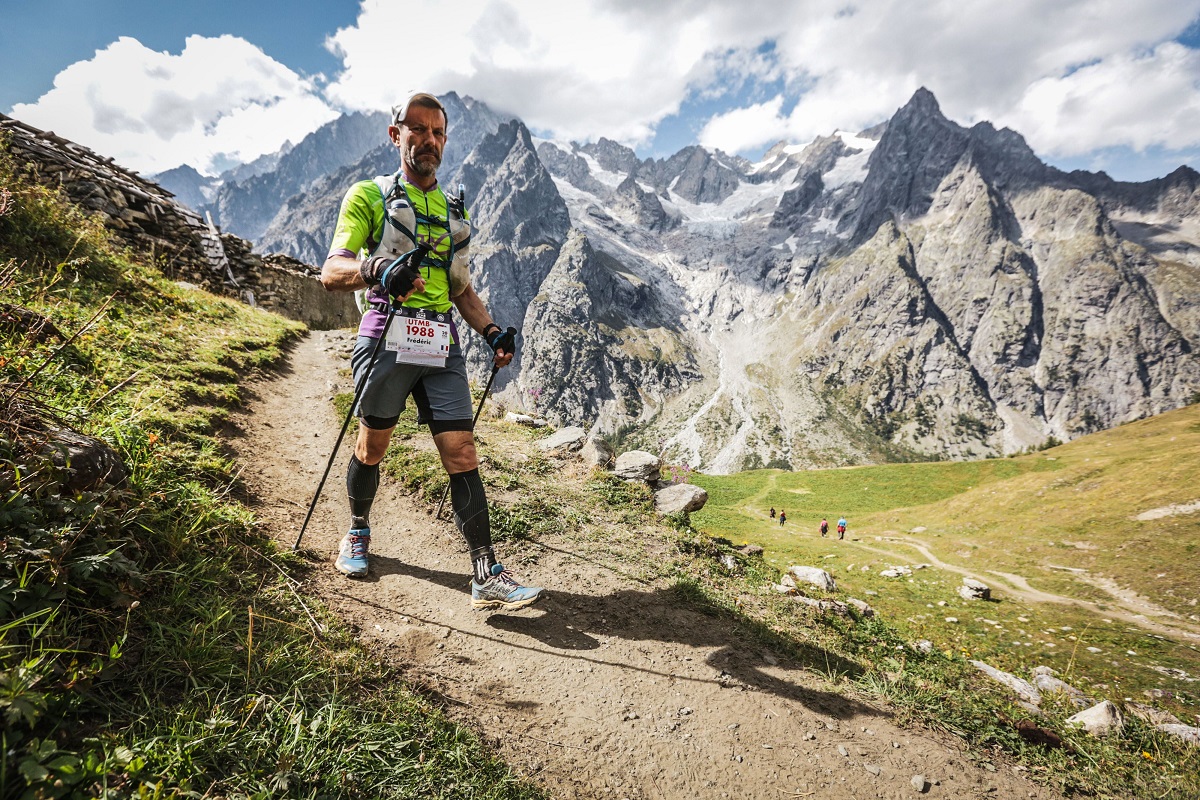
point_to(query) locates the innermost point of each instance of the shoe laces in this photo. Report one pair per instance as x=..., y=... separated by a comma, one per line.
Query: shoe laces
x=358, y=546
x=506, y=577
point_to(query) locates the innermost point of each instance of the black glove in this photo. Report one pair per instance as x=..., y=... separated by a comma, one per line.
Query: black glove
x=396, y=274
x=501, y=340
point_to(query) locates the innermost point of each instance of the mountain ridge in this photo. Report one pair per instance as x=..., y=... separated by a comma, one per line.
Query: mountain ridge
x=919, y=289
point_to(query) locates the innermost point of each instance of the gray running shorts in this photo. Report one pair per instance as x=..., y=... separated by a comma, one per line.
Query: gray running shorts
x=442, y=394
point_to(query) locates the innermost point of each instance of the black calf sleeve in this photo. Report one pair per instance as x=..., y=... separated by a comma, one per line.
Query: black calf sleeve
x=362, y=481
x=469, y=500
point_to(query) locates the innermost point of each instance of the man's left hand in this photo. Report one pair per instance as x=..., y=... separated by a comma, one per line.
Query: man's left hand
x=503, y=344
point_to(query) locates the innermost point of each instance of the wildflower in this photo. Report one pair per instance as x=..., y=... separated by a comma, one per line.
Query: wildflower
x=1147, y=756
x=152, y=438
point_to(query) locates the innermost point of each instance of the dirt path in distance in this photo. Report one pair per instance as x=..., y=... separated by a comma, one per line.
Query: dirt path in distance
x=607, y=688
x=1127, y=605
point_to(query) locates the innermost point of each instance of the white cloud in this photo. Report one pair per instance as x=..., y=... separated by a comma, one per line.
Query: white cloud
x=617, y=68
x=152, y=111
x=1137, y=100
x=746, y=128
x=1072, y=75
x=582, y=69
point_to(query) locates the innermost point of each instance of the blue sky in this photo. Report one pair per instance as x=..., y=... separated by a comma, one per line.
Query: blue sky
x=1090, y=84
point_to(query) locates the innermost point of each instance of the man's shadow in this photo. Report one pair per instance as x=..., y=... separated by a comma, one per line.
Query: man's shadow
x=569, y=622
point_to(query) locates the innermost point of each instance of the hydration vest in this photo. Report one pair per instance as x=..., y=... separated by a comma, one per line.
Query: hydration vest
x=448, y=238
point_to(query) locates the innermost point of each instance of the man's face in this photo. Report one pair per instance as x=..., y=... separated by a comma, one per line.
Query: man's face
x=421, y=138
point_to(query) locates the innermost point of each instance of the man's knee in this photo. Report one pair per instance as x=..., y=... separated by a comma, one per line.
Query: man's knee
x=372, y=444
x=457, y=449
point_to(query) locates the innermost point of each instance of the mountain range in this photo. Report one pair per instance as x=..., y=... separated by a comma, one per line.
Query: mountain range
x=919, y=289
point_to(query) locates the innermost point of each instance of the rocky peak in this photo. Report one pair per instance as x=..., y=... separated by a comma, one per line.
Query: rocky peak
x=513, y=191
x=643, y=208
x=1006, y=157
x=247, y=207
x=571, y=167
x=520, y=223
x=693, y=174
x=921, y=105
x=917, y=151
x=189, y=186
x=612, y=156
x=264, y=163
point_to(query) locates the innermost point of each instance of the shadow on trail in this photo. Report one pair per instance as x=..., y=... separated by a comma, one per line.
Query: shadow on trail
x=573, y=625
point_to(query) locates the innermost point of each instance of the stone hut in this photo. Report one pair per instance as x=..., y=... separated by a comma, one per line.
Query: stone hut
x=150, y=220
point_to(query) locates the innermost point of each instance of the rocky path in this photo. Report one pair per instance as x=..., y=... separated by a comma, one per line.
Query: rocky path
x=607, y=688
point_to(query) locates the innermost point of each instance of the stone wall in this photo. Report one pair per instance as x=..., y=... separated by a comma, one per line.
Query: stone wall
x=153, y=223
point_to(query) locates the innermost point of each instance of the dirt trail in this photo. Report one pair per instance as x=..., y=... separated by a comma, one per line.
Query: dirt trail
x=605, y=689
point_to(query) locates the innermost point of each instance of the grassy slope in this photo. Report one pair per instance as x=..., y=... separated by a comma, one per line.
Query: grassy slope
x=1068, y=507
x=609, y=522
x=152, y=643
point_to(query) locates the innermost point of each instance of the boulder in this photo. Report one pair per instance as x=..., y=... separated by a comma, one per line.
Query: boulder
x=524, y=419
x=1044, y=680
x=567, y=440
x=814, y=575
x=679, y=497
x=89, y=462
x=824, y=606
x=597, y=453
x=974, y=590
x=752, y=550
x=1187, y=733
x=863, y=608
x=1099, y=720
x=895, y=572
x=638, y=465
x=782, y=588
x=1024, y=689
x=1151, y=715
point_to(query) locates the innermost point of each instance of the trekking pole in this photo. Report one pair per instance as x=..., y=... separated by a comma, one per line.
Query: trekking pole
x=358, y=390
x=478, y=411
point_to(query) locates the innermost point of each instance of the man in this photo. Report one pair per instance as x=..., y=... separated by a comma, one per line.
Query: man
x=413, y=242
x=842, y=528
x=824, y=527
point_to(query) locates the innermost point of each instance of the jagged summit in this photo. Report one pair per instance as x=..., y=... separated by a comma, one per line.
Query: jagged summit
x=921, y=104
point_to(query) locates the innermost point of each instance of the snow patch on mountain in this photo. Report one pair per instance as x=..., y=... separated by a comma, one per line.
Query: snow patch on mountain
x=736, y=207
x=611, y=179
x=851, y=168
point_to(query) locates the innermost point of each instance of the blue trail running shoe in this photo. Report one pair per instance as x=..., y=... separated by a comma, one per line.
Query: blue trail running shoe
x=501, y=590
x=352, y=554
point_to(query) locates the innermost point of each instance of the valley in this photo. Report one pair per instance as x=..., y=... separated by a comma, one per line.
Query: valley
x=1086, y=577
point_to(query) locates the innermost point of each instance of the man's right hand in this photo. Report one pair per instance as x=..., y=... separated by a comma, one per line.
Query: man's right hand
x=399, y=276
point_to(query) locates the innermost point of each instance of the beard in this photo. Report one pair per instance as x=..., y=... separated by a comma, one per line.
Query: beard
x=424, y=162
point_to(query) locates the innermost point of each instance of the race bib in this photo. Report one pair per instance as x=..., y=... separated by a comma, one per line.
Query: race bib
x=419, y=336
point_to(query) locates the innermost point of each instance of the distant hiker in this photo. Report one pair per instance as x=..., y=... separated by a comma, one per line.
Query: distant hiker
x=824, y=527
x=772, y=512
x=782, y=518
x=842, y=528
x=423, y=357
